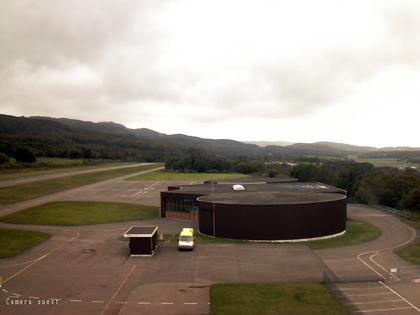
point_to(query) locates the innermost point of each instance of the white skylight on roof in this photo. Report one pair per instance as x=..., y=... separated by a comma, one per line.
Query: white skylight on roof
x=238, y=187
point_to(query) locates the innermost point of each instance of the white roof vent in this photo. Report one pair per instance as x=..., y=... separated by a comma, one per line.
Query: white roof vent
x=238, y=187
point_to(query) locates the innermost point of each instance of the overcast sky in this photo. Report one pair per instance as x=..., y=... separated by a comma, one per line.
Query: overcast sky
x=301, y=71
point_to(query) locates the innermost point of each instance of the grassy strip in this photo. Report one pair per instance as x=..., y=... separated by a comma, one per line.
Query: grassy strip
x=411, y=218
x=81, y=213
x=410, y=253
x=169, y=175
x=28, y=191
x=357, y=232
x=270, y=299
x=9, y=174
x=13, y=242
x=414, y=224
x=381, y=162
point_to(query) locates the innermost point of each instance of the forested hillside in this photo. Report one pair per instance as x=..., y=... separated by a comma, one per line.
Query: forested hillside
x=70, y=138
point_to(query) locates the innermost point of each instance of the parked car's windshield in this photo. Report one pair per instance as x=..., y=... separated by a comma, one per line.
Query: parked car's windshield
x=186, y=238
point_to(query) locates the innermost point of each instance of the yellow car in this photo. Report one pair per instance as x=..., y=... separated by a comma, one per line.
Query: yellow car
x=186, y=239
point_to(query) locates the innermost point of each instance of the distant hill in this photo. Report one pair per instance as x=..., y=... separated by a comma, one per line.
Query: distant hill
x=326, y=148
x=267, y=143
x=62, y=137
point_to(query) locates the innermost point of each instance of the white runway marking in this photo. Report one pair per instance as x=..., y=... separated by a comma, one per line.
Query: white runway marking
x=377, y=252
x=144, y=303
x=167, y=303
x=97, y=301
x=346, y=289
x=371, y=258
x=407, y=301
x=77, y=301
x=144, y=190
x=190, y=303
x=373, y=294
x=373, y=302
x=384, y=310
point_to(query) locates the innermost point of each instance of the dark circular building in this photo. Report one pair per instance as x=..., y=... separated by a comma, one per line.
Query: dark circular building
x=272, y=215
x=260, y=210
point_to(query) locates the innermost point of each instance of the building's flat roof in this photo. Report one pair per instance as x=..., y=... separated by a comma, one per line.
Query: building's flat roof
x=141, y=231
x=252, y=180
x=270, y=198
x=209, y=189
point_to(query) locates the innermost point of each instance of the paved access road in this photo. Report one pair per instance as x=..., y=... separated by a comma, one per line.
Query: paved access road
x=87, y=269
x=31, y=179
x=363, y=277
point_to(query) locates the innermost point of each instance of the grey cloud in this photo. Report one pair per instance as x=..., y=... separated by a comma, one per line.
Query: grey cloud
x=121, y=49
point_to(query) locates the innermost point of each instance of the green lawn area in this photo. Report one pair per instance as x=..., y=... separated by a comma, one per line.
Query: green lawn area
x=81, y=213
x=357, y=232
x=8, y=174
x=273, y=299
x=411, y=218
x=414, y=224
x=44, y=165
x=410, y=253
x=169, y=175
x=13, y=242
x=28, y=191
x=386, y=162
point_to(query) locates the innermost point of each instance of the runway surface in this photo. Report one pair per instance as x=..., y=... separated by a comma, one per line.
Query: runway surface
x=86, y=269
x=37, y=178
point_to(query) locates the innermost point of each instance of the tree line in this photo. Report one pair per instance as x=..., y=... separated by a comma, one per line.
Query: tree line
x=365, y=183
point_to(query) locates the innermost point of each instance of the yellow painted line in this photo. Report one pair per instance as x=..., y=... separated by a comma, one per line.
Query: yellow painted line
x=118, y=290
x=40, y=258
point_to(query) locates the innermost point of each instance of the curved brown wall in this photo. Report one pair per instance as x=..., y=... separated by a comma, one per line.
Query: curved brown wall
x=273, y=222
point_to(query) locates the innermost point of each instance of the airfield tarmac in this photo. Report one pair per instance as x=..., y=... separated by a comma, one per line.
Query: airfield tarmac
x=86, y=269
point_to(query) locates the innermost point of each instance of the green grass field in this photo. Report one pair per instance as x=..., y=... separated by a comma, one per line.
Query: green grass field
x=81, y=213
x=13, y=242
x=273, y=299
x=357, y=232
x=178, y=176
x=28, y=191
x=9, y=174
x=410, y=253
x=386, y=162
x=414, y=224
